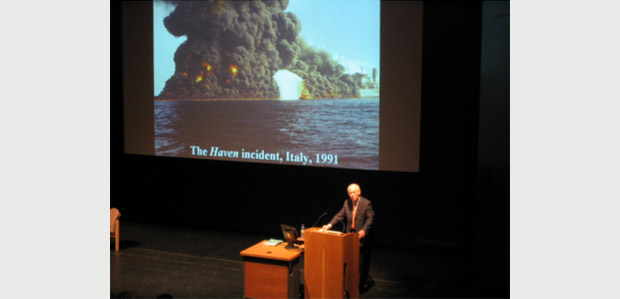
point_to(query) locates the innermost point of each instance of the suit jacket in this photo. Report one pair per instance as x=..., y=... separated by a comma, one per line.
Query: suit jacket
x=364, y=217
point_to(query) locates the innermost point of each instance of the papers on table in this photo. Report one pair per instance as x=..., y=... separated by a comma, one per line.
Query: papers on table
x=273, y=242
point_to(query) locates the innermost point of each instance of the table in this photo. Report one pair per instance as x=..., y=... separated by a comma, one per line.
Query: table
x=271, y=271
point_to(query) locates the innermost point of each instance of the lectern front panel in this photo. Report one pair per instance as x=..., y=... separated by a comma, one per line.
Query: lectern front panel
x=331, y=265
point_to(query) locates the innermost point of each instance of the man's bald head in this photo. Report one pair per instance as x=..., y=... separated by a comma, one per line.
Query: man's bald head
x=354, y=191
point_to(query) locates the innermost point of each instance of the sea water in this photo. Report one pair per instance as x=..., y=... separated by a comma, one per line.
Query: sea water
x=345, y=129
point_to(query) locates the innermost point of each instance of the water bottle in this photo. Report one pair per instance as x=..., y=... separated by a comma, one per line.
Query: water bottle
x=303, y=231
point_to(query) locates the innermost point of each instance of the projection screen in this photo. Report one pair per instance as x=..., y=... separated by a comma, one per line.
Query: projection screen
x=286, y=82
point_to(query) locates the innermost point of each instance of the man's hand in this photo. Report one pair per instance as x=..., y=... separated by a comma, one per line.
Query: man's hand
x=361, y=234
x=326, y=227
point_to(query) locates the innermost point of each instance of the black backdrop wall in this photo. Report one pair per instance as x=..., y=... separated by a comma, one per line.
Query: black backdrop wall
x=456, y=200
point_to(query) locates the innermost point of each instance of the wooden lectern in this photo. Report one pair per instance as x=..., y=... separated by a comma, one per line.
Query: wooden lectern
x=271, y=271
x=331, y=264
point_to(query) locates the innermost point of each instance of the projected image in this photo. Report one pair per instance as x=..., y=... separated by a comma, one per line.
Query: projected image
x=286, y=82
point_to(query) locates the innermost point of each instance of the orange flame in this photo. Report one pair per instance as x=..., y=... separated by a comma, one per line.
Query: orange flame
x=233, y=69
x=305, y=94
x=199, y=77
x=207, y=66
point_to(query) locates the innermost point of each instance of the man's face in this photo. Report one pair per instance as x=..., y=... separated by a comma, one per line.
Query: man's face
x=354, y=192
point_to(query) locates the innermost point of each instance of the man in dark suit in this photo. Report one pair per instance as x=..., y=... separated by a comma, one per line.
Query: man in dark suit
x=358, y=216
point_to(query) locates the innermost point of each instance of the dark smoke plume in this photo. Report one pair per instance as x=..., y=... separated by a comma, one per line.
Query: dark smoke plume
x=234, y=48
x=324, y=77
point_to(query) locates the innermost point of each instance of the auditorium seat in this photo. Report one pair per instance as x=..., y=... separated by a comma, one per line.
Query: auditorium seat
x=115, y=216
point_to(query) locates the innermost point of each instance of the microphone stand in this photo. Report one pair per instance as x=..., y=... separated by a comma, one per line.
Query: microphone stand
x=343, y=227
x=317, y=220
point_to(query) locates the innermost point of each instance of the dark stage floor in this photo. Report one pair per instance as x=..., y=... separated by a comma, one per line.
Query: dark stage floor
x=183, y=262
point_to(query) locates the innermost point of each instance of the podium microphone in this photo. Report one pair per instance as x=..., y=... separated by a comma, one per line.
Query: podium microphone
x=317, y=220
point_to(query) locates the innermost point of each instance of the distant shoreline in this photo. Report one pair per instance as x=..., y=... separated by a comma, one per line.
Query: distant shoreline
x=252, y=99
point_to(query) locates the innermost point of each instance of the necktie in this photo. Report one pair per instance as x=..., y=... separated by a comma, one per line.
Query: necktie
x=354, y=214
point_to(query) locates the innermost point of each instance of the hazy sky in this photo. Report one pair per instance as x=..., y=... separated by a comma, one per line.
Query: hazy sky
x=164, y=46
x=348, y=29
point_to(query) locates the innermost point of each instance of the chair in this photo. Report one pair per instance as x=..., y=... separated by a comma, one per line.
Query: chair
x=115, y=214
